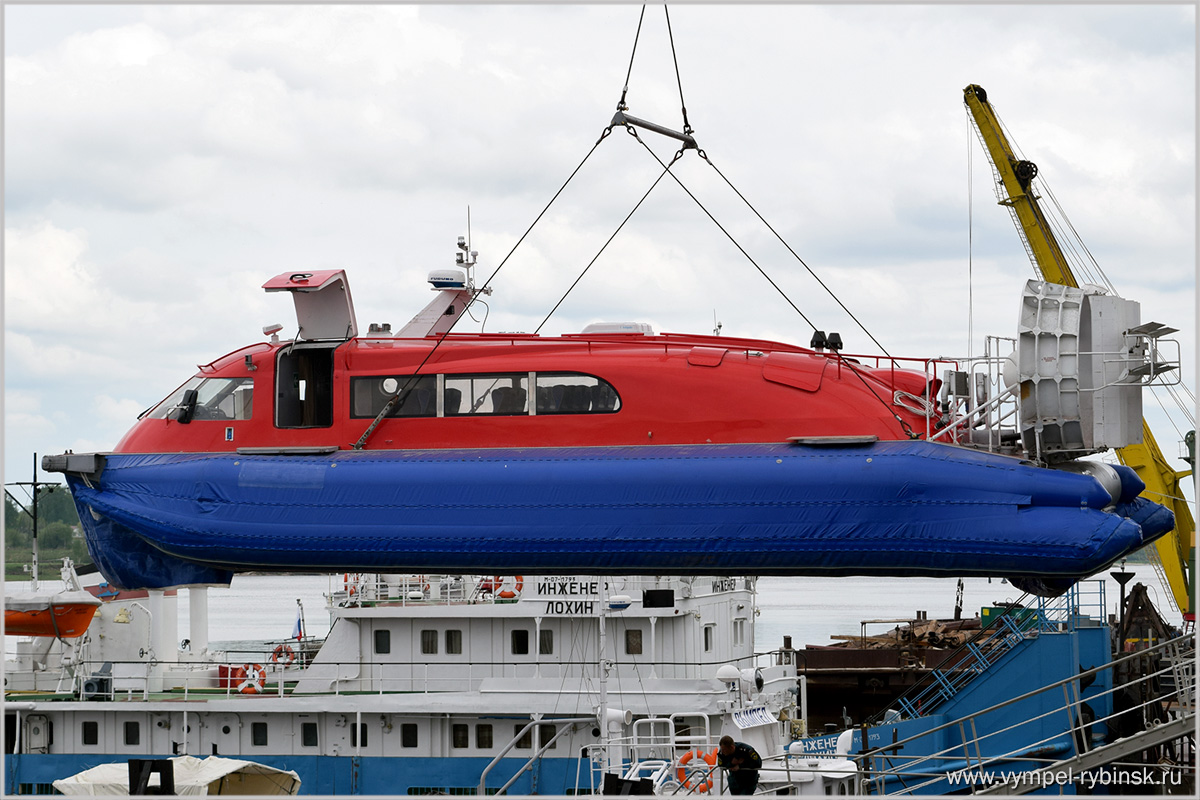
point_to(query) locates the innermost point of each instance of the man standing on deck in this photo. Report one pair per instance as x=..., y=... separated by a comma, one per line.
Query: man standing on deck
x=741, y=763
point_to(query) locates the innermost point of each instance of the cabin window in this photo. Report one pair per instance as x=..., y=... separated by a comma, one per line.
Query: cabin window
x=304, y=387
x=258, y=734
x=571, y=393
x=408, y=734
x=90, y=731
x=633, y=641
x=520, y=643
x=383, y=641
x=308, y=734
x=710, y=632
x=460, y=735
x=545, y=642
x=454, y=642
x=483, y=737
x=133, y=733
x=358, y=734
x=526, y=740
x=739, y=632
x=369, y=394
x=216, y=399
x=497, y=395
x=429, y=641
x=545, y=734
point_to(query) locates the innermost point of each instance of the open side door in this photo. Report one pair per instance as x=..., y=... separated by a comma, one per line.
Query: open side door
x=324, y=308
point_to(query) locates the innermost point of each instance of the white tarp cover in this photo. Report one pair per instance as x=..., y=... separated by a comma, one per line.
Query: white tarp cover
x=193, y=776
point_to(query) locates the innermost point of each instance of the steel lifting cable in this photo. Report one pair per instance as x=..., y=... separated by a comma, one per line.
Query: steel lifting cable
x=797, y=257
x=607, y=242
x=849, y=364
x=679, y=82
x=621, y=103
x=400, y=395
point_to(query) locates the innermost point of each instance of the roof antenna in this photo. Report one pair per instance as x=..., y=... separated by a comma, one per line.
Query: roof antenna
x=716, y=325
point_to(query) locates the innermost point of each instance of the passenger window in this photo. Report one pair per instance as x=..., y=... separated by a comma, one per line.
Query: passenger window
x=497, y=395
x=133, y=733
x=483, y=736
x=418, y=396
x=408, y=734
x=454, y=642
x=572, y=393
x=91, y=732
x=308, y=734
x=520, y=643
x=258, y=734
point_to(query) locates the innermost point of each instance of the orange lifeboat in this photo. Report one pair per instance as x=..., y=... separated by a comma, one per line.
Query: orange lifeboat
x=65, y=615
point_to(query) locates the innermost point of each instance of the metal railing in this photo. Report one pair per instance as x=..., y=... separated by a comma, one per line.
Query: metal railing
x=1164, y=685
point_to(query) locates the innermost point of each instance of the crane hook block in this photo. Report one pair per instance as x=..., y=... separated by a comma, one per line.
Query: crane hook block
x=621, y=118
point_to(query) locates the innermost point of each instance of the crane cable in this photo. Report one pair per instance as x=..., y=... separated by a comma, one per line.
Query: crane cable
x=397, y=399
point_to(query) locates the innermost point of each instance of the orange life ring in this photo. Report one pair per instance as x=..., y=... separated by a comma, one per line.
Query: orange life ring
x=285, y=652
x=252, y=678
x=509, y=594
x=709, y=758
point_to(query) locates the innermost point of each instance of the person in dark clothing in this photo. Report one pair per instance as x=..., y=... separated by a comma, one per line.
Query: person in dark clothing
x=741, y=763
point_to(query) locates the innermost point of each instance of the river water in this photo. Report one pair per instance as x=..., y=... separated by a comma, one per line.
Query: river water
x=810, y=610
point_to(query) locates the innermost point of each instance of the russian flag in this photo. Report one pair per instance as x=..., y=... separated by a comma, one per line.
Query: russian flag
x=298, y=629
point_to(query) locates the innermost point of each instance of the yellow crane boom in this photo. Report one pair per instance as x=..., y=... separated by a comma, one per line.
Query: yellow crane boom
x=1176, y=550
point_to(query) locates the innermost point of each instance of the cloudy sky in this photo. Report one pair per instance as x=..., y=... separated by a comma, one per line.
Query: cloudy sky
x=161, y=163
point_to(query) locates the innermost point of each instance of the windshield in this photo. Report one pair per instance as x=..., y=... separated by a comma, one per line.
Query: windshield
x=216, y=399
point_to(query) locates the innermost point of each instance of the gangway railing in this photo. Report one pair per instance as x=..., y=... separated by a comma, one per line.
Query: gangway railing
x=970, y=763
x=1082, y=604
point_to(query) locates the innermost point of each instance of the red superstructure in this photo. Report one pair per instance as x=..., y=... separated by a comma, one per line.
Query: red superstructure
x=664, y=389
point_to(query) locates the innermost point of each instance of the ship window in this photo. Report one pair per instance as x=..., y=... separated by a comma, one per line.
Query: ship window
x=572, y=393
x=483, y=736
x=91, y=732
x=429, y=641
x=545, y=734
x=216, y=399
x=709, y=633
x=408, y=734
x=454, y=642
x=308, y=734
x=633, y=641
x=304, y=387
x=739, y=631
x=258, y=734
x=368, y=396
x=460, y=735
x=526, y=740
x=358, y=732
x=520, y=643
x=133, y=733
x=383, y=641
x=545, y=642
x=499, y=395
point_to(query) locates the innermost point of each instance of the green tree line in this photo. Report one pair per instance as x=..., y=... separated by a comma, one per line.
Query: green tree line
x=57, y=523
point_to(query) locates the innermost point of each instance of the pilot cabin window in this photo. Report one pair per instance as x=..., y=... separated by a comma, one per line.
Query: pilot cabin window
x=304, y=387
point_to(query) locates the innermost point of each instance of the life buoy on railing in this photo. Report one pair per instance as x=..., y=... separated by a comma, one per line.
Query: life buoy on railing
x=284, y=653
x=508, y=594
x=706, y=781
x=252, y=678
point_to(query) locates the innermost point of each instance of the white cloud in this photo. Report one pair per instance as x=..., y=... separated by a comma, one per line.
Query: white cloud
x=164, y=161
